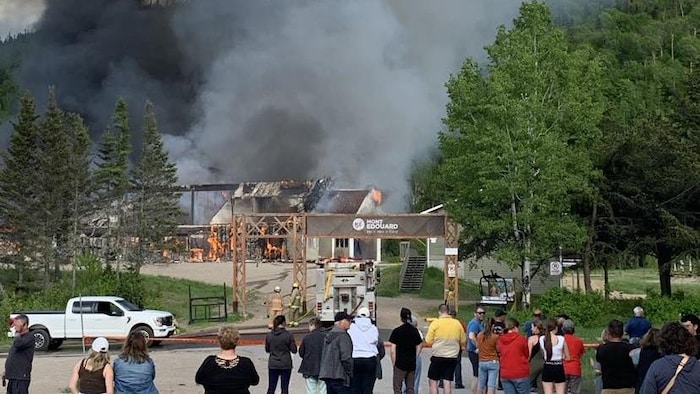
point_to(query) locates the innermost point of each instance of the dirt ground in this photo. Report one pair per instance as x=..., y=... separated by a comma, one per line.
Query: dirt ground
x=176, y=368
x=262, y=278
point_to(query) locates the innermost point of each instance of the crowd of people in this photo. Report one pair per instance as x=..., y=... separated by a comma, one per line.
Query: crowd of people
x=631, y=357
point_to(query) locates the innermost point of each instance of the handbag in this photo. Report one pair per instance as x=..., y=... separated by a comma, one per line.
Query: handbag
x=678, y=370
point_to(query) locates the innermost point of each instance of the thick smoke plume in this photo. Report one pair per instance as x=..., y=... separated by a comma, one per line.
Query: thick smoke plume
x=18, y=16
x=264, y=90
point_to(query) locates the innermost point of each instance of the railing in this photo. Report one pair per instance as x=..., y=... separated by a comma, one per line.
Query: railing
x=208, y=308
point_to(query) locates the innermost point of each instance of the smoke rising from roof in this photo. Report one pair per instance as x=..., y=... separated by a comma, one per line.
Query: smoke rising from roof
x=269, y=90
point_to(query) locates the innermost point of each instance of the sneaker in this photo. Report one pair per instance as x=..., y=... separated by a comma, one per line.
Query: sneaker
x=459, y=386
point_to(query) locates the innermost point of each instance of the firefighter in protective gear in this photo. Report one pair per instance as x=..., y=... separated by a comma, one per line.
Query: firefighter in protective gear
x=294, y=305
x=274, y=304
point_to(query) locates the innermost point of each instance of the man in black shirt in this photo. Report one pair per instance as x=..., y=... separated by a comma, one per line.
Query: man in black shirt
x=406, y=344
x=616, y=365
x=18, y=365
x=692, y=323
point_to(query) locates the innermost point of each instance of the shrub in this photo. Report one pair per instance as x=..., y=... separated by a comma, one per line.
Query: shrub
x=91, y=278
x=584, y=309
x=663, y=309
x=592, y=310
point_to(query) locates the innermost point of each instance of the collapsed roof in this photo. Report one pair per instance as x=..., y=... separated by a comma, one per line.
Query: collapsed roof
x=294, y=196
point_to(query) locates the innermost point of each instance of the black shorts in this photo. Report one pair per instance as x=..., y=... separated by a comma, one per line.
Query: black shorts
x=474, y=359
x=442, y=368
x=553, y=372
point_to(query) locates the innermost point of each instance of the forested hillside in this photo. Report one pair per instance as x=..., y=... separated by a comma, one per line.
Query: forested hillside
x=584, y=136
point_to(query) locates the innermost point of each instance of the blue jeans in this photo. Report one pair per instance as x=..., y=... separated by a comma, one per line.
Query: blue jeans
x=274, y=375
x=516, y=386
x=488, y=374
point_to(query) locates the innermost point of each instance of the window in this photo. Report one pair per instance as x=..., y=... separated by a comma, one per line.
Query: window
x=129, y=306
x=83, y=307
x=341, y=243
x=109, y=309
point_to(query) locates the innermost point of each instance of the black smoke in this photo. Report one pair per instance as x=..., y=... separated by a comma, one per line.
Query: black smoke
x=96, y=51
x=265, y=89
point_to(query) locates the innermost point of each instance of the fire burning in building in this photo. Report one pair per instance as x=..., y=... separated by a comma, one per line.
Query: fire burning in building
x=215, y=241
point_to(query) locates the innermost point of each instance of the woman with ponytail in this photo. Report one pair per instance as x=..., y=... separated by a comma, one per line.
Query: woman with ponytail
x=555, y=351
x=489, y=365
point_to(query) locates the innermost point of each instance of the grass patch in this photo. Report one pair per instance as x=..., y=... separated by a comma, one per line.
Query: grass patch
x=433, y=285
x=641, y=280
x=171, y=294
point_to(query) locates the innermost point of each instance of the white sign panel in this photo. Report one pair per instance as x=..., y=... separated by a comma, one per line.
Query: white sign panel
x=555, y=268
x=451, y=251
x=452, y=270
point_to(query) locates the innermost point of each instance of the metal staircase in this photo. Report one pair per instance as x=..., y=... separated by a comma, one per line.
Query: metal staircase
x=412, y=271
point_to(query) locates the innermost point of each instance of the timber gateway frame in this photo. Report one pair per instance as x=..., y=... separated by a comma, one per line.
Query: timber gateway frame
x=297, y=228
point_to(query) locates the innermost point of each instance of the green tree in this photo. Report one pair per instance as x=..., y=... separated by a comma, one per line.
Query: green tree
x=155, y=204
x=19, y=186
x=8, y=90
x=78, y=177
x=54, y=200
x=111, y=181
x=640, y=208
x=517, y=139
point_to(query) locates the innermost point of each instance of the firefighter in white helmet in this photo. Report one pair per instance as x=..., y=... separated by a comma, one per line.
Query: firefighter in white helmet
x=294, y=305
x=274, y=304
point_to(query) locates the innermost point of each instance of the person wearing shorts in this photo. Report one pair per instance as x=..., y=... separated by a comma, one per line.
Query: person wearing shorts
x=555, y=351
x=447, y=337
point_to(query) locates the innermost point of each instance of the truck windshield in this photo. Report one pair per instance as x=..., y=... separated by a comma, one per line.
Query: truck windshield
x=129, y=306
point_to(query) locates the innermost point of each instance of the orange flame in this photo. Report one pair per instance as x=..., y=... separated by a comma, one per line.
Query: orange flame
x=274, y=252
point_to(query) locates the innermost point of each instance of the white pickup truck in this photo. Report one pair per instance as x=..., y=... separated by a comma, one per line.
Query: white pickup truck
x=95, y=316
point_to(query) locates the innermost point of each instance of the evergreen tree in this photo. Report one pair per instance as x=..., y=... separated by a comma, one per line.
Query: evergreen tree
x=8, y=90
x=111, y=180
x=79, y=182
x=19, y=186
x=155, y=204
x=54, y=200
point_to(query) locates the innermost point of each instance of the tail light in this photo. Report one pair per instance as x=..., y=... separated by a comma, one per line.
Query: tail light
x=370, y=305
x=319, y=307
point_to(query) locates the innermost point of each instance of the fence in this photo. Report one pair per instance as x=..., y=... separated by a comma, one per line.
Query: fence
x=208, y=308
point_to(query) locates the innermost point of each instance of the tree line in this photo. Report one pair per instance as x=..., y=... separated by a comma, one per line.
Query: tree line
x=57, y=197
x=584, y=137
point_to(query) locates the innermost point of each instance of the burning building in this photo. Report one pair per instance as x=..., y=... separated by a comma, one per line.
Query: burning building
x=280, y=197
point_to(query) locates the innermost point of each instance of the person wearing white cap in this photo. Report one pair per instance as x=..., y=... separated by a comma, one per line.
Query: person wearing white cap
x=365, y=338
x=94, y=374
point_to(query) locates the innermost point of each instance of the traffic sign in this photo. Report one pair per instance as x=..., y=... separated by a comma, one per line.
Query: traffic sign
x=555, y=268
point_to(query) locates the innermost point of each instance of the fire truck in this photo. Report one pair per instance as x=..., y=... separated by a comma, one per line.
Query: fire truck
x=345, y=285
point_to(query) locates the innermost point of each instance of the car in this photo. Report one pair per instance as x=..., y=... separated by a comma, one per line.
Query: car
x=96, y=316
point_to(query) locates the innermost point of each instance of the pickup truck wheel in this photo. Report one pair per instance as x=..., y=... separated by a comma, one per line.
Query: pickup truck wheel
x=41, y=339
x=147, y=332
x=54, y=344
